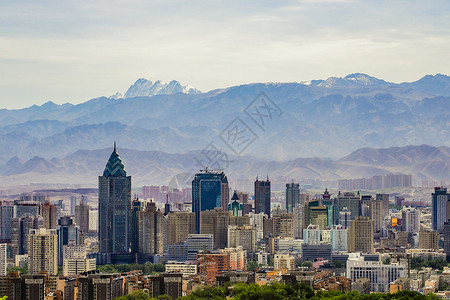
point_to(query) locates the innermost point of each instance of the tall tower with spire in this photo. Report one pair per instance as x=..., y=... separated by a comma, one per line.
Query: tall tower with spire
x=114, y=206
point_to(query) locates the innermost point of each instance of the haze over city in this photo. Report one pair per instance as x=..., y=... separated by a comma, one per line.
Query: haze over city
x=190, y=150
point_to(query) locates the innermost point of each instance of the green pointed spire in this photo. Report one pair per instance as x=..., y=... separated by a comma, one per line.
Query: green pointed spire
x=114, y=166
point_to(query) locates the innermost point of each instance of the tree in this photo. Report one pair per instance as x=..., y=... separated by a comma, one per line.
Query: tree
x=252, y=265
x=307, y=264
x=136, y=295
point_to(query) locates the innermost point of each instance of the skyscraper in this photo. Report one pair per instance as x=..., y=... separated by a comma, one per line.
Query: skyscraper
x=360, y=235
x=49, y=215
x=181, y=224
x=216, y=222
x=349, y=200
x=411, y=219
x=439, y=202
x=292, y=196
x=150, y=234
x=7, y=213
x=3, y=263
x=262, y=196
x=209, y=190
x=20, y=228
x=68, y=234
x=447, y=240
x=73, y=203
x=82, y=217
x=114, y=206
x=43, y=251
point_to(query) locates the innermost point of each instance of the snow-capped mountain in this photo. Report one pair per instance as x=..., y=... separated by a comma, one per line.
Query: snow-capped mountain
x=147, y=88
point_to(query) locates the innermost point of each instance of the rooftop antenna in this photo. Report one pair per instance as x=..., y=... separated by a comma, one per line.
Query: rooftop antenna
x=114, y=146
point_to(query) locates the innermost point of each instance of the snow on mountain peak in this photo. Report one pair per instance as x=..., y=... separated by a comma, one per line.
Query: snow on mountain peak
x=145, y=87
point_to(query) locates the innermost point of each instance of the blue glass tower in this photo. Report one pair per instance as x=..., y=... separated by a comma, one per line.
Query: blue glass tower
x=209, y=190
x=114, y=206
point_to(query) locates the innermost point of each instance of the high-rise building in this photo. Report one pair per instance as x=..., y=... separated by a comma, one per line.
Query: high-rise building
x=114, y=206
x=360, y=235
x=429, y=240
x=49, y=215
x=349, y=200
x=298, y=213
x=376, y=214
x=384, y=198
x=68, y=234
x=411, y=219
x=43, y=251
x=283, y=225
x=3, y=262
x=7, y=213
x=292, y=196
x=439, y=203
x=216, y=222
x=244, y=236
x=447, y=239
x=73, y=203
x=338, y=238
x=312, y=235
x=180, y=225
x=262, y=196
x=27, y=208
x=150, y=226
x=318, y=215
x=20, y=228
x=82, y=217
x=209, y=190
x=345, y=217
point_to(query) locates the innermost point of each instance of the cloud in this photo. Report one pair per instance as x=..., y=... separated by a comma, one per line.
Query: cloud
x=77, y=50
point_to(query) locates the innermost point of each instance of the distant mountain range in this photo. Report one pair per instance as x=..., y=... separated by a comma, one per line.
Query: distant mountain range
x=155, y=167
x=318, y=118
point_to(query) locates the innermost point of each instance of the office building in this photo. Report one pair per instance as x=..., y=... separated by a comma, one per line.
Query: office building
x=150, y=228
x=245, y=236
x=114, y=206
x=283, y=225
x=43, y=251
x=82, y=217
x=20, y=228
x=411, y=219
x=429, y=240
x=439, y=206
x=262, y=196
x=73, y=203
x=315, y=252
x=338, y=238
x=345, y=217
x=318, y=215
x=198, y=242
x=209, y=190
x=68, y=234
x=49, y=215
x=187, y=269
x=3, y=262
x=311, y=235
x=100, y=286
x=298, y=213
x=27, y=208
x=292, y=196
x=376, y=215
x=349, y=200
x=180, y=225
x=360, y=235
x=384, y=198
x=447, y=239
x=380, y=275
x=7, y=213
x=257, y=220
x=216, y=222
x=76, y=265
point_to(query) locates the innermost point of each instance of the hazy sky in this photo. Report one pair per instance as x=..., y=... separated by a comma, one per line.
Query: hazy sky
x=73, y=50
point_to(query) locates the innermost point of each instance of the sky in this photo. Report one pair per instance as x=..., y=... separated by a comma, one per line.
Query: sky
x=76, y=50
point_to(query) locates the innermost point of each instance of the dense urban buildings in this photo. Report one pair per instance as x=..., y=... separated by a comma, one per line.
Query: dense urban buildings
x=326, y=238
